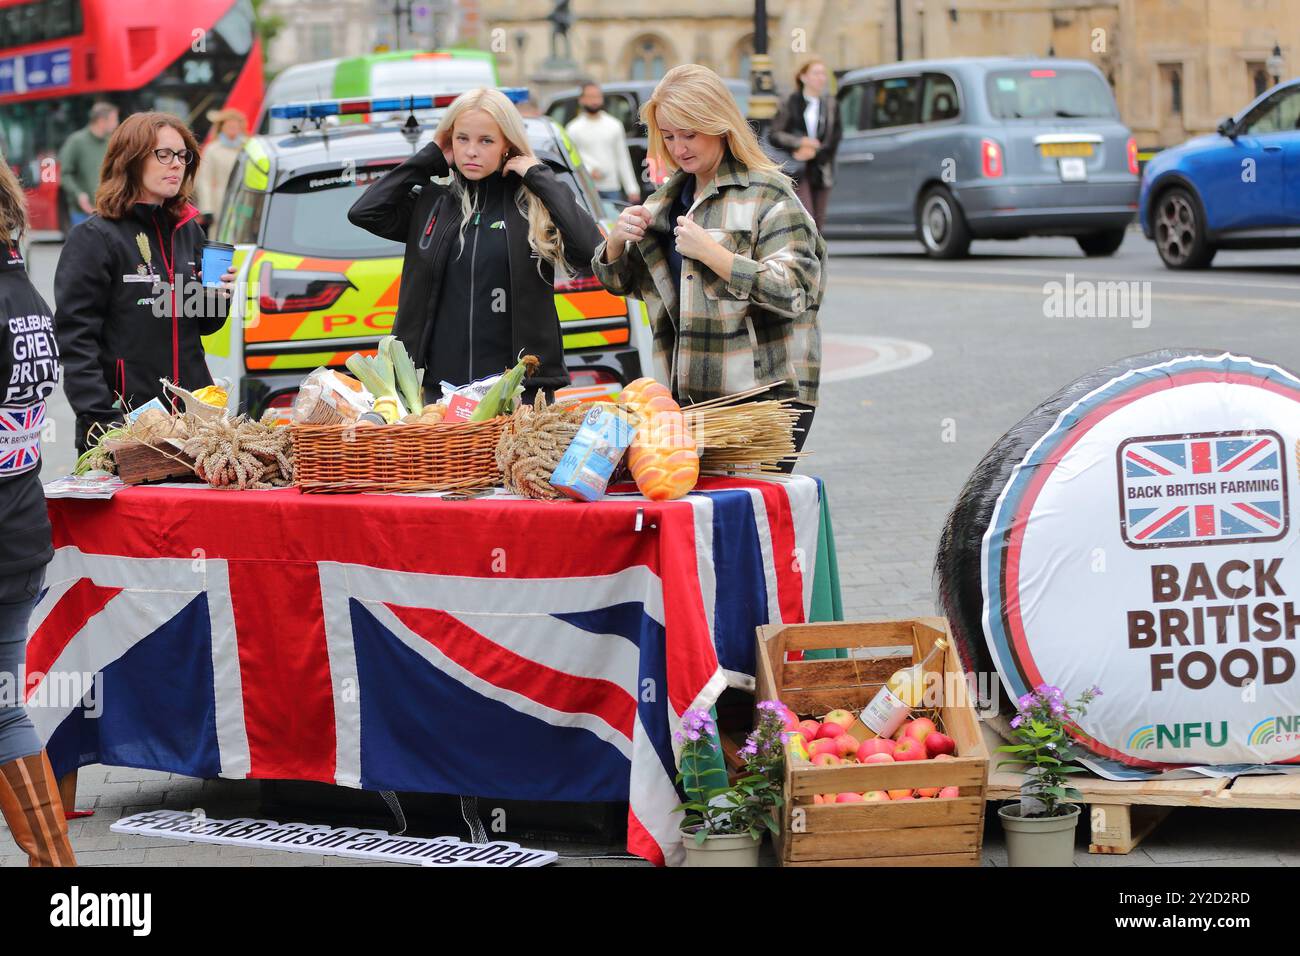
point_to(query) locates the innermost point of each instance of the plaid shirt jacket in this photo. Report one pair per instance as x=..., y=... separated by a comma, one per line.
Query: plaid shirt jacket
x=718, y=337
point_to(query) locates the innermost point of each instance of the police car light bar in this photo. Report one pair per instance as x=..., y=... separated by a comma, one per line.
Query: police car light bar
x=384, y=104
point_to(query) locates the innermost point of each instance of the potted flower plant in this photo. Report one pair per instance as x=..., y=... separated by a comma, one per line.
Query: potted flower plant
x=1040, y=828
x=724, y=824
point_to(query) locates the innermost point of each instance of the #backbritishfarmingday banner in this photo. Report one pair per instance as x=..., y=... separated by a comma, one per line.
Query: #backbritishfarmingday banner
x=1145, y=543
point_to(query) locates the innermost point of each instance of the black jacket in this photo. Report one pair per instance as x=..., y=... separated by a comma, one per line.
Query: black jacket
x=119, y=329
x=788, y=128
x=29, y=373
x=429, y=224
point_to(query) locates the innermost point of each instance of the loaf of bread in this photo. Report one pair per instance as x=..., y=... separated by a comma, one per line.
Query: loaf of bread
x=663, y=458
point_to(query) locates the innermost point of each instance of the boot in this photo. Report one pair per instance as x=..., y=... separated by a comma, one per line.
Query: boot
x=29, y=800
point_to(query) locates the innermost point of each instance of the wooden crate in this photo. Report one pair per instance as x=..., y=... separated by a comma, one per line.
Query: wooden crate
x=138, y=462
x=936, y=832
x=1121, y=813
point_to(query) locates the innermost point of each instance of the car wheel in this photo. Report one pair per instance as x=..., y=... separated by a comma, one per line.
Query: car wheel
x=941, y=225
x=1179, y=230
x=1101, y=243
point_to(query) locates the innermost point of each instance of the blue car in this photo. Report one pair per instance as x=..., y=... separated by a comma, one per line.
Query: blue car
x=1238, y=188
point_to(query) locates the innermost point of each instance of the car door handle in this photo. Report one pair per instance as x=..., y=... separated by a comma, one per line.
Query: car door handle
x=1272, y=149
x=863, y=158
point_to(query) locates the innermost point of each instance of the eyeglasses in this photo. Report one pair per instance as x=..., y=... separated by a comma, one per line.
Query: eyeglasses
x=165, y=156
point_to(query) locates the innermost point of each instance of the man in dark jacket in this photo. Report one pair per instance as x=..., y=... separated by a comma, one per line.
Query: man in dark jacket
x=429, y=299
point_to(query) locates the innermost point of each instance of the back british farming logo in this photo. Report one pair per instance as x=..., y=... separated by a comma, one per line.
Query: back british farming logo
x=1207, y=488
x=1178, y=736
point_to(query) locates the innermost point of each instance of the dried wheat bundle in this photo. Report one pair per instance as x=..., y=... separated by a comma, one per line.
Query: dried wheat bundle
x=742, y=437
x=533, y=444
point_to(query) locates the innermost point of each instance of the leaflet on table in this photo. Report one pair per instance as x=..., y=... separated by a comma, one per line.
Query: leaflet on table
x=101, y=486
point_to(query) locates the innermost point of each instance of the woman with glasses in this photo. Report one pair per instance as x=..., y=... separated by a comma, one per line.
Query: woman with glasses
x=129, y=307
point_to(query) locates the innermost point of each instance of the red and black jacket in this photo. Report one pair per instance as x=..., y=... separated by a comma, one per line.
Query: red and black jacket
x=122, y=314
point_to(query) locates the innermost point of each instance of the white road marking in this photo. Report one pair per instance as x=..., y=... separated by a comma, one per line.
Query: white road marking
x=892, y=355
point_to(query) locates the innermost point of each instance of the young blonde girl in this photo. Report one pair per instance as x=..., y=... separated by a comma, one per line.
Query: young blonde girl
x=486, y=234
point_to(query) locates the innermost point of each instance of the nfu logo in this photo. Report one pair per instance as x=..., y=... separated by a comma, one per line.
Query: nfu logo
x=1178, y=736
x=1274, y=730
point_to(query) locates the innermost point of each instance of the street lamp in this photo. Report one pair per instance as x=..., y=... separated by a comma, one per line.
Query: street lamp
x=762, y=88
x=1275, y=64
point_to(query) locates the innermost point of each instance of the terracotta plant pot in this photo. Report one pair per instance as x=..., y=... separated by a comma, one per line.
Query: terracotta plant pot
x=1039, y=841
x=724, y=849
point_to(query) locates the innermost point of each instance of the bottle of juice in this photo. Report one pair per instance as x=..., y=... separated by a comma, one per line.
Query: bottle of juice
x=903, y=691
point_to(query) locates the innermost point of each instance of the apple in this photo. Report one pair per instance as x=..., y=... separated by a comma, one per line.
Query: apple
x=945, y=757
x=947, y=793
x=919, y=729
x=849, y=798
x=792, y=724
x=809, y=729
x=928, y=793
x=876, y=745
x=826, y=760
x=900, y=794
x=909, y=748
x=829, y=730
x=817, y=798
x=841, y=717
x=937, y=743
x=908, y=797
x=875, y=796
x=823, y=746
x=879, y=758
x=847, y=743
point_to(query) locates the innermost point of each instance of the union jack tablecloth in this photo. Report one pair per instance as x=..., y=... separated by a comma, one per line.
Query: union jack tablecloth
x=497, y=647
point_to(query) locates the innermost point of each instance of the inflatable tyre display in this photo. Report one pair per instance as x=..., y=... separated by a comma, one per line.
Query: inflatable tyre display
x=1136, y=532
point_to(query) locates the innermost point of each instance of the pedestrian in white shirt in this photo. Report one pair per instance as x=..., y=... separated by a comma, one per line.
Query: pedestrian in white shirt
x=602, y=145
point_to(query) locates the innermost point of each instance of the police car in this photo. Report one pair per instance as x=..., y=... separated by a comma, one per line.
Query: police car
x=315, y=288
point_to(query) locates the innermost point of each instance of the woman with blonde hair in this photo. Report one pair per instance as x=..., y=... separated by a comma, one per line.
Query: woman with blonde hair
x=29, y=374
x=726, y=258
x=127, y=311
x=482, y=250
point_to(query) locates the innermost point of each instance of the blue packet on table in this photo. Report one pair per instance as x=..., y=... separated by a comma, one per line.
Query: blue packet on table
x=584, y=471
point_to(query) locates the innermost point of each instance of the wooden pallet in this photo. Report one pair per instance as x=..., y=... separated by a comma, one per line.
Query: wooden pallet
x=1121, y=813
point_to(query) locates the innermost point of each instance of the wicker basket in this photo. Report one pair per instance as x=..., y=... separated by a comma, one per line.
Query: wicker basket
x=339, y=459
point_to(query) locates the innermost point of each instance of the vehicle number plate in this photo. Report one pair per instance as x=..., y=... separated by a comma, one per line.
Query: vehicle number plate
x=1073, y=169
x=1056, y=150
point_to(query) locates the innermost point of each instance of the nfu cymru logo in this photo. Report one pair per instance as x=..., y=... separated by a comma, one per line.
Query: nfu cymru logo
x=1274, y=730
x=1178, y=736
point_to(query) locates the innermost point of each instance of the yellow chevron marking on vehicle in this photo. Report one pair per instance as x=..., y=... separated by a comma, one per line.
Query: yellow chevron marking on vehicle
x=574, y=158
x=257, y=171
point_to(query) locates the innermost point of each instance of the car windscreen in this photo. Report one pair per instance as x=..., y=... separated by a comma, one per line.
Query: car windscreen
x=308, y=216
x=1049, y=94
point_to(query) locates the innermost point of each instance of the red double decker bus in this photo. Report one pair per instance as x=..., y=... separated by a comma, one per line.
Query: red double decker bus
x=58, y=57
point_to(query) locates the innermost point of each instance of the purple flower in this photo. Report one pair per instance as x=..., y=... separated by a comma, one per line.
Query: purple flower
x=1057, y=708
x=775, y=706
x=1094, y=691
x=1026, y=702
x=1017, y=720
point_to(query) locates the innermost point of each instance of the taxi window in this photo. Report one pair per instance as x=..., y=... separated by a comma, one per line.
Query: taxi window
x=308, y=216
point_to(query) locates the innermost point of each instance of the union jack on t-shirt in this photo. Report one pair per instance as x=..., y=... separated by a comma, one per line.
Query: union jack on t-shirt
x=20, y=438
